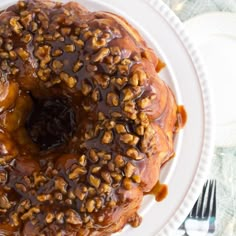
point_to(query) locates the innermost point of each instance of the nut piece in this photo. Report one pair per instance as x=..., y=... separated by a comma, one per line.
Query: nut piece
x=144, y=103
x=136, y=179
x=112, y=99
x=69, y=80
x=129, y=170
x=29, y=213
x=60, y=217
x=107, y=137
x=134, y=154
x=119, y=161
x=16, y=26
x=3, y=177
x=43, y=54
x=77, y=172
x=49, y=218
x=72, y=217
x=24, y=55
x=139, y=77
x=101, y=54
x=94, y=181
x=69, y=48
x=4, y=202
x=90, y=205
x=127, y=183
x=77, y=66
x=57, y=65
x=82, y=160
x=140, y=130
x=129, y=139
x=106, y=177
x=120, y=129
x=44, y=197
x=61, y=185
x=81, y=192
x=86, y=88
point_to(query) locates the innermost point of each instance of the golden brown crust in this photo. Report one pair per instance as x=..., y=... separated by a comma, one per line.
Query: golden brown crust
x=85, y=122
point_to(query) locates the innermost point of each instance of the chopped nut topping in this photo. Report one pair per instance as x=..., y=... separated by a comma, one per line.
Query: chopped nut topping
x=138, y=78
x=44, y=74
x=107, y=137
x=106, y=177
x=61, y=185
x=49, y=218
x=99, y=56
x=140, y=130
x=119, y=161
x=57, y=53
x=136, y=178
x=81, y=193
x=30, y=212
x=127, y=183
x=134, y=154
x=16, y=26
x=86, y=88
x=71, y=195
x=129, y=139
x=93, y=155
x=101, y=116
x=98, y=43
x=120, y=129
x=69, y=48
x=13, y=55
x=26, y=20
x=15, y=219
x=82, y=160
x=144, y=103
x=77, y=172
x=65, y=31
x=24, y=55
x=96, y=169
x=112, y=99
x=60, y=217
x=115, y=51
x=95, y=95
x=102, y=80
x=72, y=217
x=77, y=66
x=116, y=177
x=57, y=65
x=43, y=54
x=3, y=177
x=4, y=202
x=130, y=110
x=69, y=80
x=90, y=205
x=58, y=196
x=26, y=38
x=129, y=170
x=94, y=181
x=44, y=197
x=105, y=188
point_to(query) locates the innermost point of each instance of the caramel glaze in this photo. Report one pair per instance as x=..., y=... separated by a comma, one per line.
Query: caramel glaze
x=159, y=190
x=85, y=123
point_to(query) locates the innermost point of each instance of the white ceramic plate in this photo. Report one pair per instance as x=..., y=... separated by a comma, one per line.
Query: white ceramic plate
x=215, y=35
x=186, y=173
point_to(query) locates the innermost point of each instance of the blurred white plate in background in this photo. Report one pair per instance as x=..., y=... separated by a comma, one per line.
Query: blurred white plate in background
x=215, y=35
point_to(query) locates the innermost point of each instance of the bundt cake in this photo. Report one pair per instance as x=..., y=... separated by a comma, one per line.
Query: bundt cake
x=85, y=122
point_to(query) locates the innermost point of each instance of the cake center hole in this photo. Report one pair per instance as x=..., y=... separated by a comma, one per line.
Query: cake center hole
x=51, y=123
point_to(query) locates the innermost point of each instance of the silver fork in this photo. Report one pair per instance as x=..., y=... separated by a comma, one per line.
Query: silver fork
x=203, y=215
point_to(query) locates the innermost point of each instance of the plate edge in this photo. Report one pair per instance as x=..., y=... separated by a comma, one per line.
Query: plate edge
x=208, y=141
